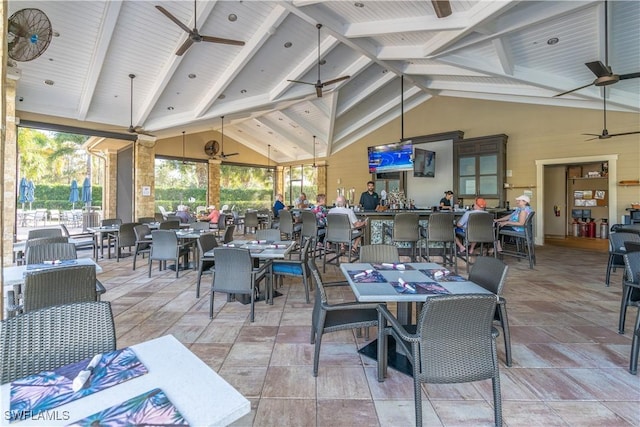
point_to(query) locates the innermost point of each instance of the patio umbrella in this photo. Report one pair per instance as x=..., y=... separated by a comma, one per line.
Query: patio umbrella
x=22, y=191
x=30, y=195
x=86, y=192
x=74, y=195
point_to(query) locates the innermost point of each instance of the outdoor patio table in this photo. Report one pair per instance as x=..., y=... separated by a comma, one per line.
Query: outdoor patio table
x=98, y=233
x=199, y=394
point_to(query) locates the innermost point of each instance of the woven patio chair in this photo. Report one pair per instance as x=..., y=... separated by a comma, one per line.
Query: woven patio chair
x=206, y=242
x=379, y=253
x=454, y=343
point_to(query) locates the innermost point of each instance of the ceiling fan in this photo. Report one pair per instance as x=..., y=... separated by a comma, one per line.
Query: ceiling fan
x=604, y=73
x=194, y=35
x=216, y=150
x=605, y=133
x=134, y=129
x=320, y=84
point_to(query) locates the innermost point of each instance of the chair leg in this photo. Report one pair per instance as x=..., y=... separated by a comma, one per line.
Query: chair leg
x=316, y=354
x=200, y=267
x=211, y=303
x=635, y=347
x=504, y=324
x=497, y=398
x=608, y=274
x=417, y=391
x=626, y=292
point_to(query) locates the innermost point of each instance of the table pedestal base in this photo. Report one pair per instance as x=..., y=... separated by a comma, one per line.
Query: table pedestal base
x=395, y=360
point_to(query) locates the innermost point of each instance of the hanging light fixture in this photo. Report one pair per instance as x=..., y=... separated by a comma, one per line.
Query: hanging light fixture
x=183, y=158
x=314, y=151
x=269, y=171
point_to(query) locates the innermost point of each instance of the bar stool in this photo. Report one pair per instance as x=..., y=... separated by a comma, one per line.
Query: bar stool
x=479, y=230
x=440, y=229
x=406, y=228
x=310, y=231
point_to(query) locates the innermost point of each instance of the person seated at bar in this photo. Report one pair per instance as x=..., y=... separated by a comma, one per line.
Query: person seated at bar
x=301, y=202
x=213, y=215
x=445, y=202
x=183, y=214
x=515, y=220
x=278, y=206
x=480, y=205
x=341, y=208
x=320, y=211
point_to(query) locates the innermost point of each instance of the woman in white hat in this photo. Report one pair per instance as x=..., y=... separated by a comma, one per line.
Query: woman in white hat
x=516, y=219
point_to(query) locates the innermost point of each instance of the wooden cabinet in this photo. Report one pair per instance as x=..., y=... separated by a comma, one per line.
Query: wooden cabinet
x=479, y=167
x=587, y=195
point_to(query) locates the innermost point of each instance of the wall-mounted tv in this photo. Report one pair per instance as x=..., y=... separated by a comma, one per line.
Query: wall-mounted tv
x=424, y=163
x=391, y=157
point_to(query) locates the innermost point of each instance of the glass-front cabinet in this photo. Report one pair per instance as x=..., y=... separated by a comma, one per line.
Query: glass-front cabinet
x=479, y=167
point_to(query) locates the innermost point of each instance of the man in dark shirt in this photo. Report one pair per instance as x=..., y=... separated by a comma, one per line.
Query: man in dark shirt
x=369, y=200
x=278, y=206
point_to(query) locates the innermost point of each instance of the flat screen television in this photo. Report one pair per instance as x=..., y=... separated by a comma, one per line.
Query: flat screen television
x=391, y=157
x=424, y=163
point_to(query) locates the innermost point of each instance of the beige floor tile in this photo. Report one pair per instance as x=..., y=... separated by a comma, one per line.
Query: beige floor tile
x=291, y=354
x=285, y=413
x=344, y=412
x=342, y=383
x=456, y=413
x=289, y=382
x=588, y=414
x=249, y=354
x=527, y=414
x=630, y=411
x=249, y=381
x=402, y=413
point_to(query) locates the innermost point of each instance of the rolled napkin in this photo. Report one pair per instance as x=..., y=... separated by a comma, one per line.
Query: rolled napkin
x=438, y=274
x=276, y=246
x=258, y=242
x=406, y=285
x=54, y=262
x=363, y=274
x=393, y=265
x=80, y=380
x=229, y=245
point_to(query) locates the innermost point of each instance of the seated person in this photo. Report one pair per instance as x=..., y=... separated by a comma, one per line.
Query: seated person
x=183, y=214
x=320, y=211
x=213, y=216
x=515, y=220
x=278, y=206
x=301, y=202
x=478, y=206
x=341, y=208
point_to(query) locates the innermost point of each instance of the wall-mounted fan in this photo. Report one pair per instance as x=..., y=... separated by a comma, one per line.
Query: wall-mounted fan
x=29, y=34
x=194, y=35
x=320, y=84
x=605, y=133
x=134, y=129
x=604, y=73
x=212, y=146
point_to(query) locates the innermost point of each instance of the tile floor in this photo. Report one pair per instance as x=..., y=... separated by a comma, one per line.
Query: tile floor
x=570, y=365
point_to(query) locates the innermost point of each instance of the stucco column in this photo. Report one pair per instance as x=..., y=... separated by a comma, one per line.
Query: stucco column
x=213, y=192
x=9, y=168
x=321, y=178
x=279, y=184
x=144, y=176
x=110, y=190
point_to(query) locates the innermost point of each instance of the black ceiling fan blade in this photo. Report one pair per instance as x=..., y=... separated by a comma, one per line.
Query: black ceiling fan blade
x=185, y=46
x=442, y=8
x=225, y=155
x=629, y=76
x=625, y=133
x=599, y=69
x=336, y=80
x=573, y=90
x=300, y=81
x=174, y=19
x=222, y=41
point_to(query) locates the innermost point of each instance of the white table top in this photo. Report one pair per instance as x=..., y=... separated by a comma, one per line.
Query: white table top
x=201, y=395
x=19, y=246
x=266, y=252
x=384, y=292
x=14, y=275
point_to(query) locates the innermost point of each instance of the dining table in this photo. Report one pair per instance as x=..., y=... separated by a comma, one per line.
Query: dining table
x=195, y=391
x=98, y=234
x=403, y=284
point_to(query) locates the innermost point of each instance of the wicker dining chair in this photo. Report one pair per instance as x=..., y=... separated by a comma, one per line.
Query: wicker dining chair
x=294, y=268
x=406, y=229
x=143, y=243
x=251, y=222
x=51, y=251
x=169, y=224
x=491, y=274
x=46, y=339
x=339, y=232
x=479, y=230
x=38, y=233
x=328, y=317
x=165, y=247
x=463, y=323
x=206, y=242
x=234, y=274
x=617, y=249
x=523, y=245
x=440, y=229
x=379, y=253
x=269, y=234
x=228, y=234
x=125, y=238
x=630, y=287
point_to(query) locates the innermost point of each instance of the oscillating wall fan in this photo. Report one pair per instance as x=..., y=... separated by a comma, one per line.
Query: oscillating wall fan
x=29, y=34
x=215, y=150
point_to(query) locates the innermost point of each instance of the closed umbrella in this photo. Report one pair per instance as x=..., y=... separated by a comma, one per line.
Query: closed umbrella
x=30, y=195
x=86, y=192
x=74, y=195
x=22, y=191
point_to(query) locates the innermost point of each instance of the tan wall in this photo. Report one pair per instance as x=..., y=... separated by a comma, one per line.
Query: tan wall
x=535, y=132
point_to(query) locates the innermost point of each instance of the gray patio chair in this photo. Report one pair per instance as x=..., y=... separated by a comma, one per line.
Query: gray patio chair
x=51, y=251
x=630, y=287
x=82, y=240
x=228, y=234
x=165, y=247
x=146, y=219
x=379, y=253
x=440, y=229
x=124, y=238
x=406, y=228
x=46, y=339
x=202, y=226
x=206, y=242
x=479, y=230
x=328, y=317
x=44, y=232
x=42, y=241
x=251, y=222
x=294, y=268
x=269, y=234
x=464, y=323
x=143, y=242
x=491, y=273
x=170, y=224
x=234, y=274
x=617, y=249
x=339, y=232
x=522, y=245
x=46, y=288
